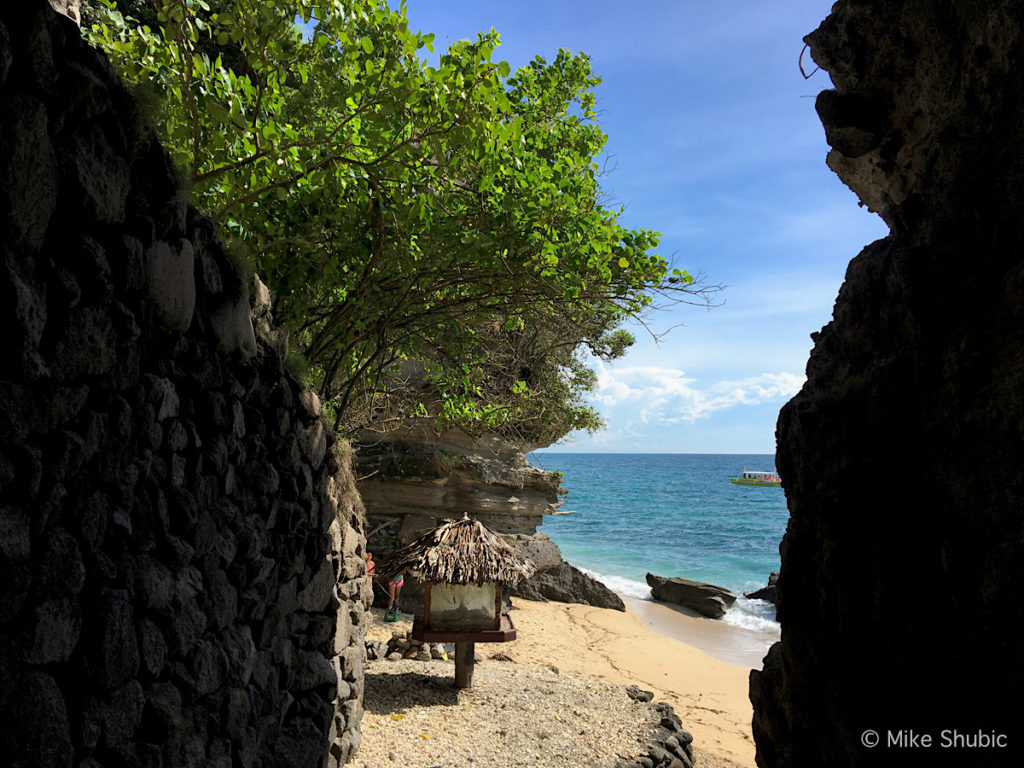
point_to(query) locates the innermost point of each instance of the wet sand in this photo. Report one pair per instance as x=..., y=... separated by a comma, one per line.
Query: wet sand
x=726, y=642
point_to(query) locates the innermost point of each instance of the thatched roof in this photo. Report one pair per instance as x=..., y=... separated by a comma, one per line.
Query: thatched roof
x=460, y=552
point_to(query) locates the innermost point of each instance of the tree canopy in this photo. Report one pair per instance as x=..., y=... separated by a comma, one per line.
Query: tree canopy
x=432, y=228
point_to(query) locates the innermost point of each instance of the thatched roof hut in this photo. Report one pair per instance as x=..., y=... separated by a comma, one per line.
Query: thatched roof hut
x=460, y=552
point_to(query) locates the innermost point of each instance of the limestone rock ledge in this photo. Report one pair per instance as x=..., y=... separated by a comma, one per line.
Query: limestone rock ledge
x=413, y=478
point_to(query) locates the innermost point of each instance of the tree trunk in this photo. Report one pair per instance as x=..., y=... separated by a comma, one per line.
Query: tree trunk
x=464, y=655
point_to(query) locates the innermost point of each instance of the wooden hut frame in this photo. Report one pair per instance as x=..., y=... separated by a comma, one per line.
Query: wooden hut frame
x=461, y=553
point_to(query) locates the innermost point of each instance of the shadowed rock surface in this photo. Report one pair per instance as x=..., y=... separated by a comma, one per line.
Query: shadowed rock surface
x=901, y=456
x=707, y=599
x=176, y=525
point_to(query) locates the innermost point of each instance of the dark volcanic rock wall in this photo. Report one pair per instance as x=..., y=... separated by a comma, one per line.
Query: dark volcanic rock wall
x=176, y=525
x=899, y=594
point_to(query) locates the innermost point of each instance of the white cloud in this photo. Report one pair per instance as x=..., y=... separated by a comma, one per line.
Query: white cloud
x=669, y=396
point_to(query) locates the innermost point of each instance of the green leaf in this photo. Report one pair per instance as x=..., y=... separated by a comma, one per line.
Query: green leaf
x=457, y=200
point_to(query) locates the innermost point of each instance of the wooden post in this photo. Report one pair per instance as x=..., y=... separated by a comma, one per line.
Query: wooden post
x=464, y=660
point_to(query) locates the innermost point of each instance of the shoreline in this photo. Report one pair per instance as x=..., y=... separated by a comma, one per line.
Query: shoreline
x=719, y=639
x=725, y=640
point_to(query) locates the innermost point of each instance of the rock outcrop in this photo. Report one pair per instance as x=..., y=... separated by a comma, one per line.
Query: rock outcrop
x=671, y=745
x=413, y=478
x=181, y=580
x=69, y=8
x=901, y=456
x=567, y=584
x=538, y=547
x=707, y=599
x=768, y=592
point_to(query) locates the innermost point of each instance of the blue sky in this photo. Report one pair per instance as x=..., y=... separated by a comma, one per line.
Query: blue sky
x=715, y=144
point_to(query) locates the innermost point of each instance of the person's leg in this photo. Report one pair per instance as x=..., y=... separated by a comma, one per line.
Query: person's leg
x=392, y=595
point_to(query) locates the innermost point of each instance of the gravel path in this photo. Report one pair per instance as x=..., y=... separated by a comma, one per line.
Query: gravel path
x=514, y=716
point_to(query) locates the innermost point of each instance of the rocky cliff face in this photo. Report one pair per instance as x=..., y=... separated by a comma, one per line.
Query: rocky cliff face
x=413, y=478
x=180, y=540
x=901, y=566
x=416, y=478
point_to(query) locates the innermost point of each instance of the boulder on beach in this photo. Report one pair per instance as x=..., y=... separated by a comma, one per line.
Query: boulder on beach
x=707, y=599
x=765, y=593
x=567, y=584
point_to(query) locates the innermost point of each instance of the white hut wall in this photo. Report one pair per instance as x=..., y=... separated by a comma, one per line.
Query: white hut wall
x=462, y=606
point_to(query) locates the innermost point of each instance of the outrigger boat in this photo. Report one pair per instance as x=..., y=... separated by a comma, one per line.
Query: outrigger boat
x=756, y=477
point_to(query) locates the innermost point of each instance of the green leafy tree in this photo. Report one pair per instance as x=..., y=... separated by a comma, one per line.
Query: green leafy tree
x=444, y=214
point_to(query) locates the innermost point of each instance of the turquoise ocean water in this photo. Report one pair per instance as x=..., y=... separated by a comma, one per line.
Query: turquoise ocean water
x=672, y=515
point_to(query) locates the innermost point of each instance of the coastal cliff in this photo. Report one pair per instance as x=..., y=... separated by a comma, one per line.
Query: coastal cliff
x=413, y=478
x=900, y=458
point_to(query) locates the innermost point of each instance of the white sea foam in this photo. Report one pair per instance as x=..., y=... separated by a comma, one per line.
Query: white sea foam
x=621, y=585
x=758, y=615
x=755, y=615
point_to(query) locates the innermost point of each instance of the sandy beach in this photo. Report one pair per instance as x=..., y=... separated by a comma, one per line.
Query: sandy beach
x=726, y=642
x=710, y=695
